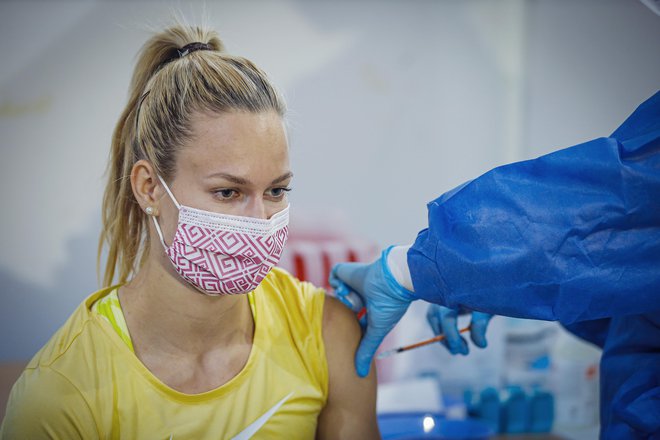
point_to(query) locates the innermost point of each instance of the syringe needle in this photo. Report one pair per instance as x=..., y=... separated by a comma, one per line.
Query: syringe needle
x=384, y=354
x=389, y=353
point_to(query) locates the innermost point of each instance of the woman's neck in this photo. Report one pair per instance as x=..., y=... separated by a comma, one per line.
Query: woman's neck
x=164, y=313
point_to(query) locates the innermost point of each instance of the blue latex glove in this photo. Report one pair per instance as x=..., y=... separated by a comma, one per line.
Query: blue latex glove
x=445, y=320
x=385, y=300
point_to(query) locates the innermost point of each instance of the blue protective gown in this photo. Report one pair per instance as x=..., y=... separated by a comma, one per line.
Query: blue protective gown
x=573, y=236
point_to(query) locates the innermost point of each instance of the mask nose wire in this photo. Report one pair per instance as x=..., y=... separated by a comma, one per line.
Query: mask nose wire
x=178, y=206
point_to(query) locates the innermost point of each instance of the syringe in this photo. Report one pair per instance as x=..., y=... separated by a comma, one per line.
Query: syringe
x=389, y=353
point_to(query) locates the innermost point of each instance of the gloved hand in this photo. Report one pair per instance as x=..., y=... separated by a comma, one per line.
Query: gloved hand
x=444, y=320
x=385, y=300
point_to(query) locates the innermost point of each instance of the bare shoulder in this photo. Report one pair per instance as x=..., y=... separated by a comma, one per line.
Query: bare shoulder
x=351, y=408
x=340, y=326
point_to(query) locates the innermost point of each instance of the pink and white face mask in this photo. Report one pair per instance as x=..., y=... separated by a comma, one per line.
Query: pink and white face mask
x=224, y=254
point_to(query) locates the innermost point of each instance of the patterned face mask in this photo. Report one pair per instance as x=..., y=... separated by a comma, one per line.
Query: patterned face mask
x=224, y=254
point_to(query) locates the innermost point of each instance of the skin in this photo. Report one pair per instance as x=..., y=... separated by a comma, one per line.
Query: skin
x=351, y=409
x=234, y=163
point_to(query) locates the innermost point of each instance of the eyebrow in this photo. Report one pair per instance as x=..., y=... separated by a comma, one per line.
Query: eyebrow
x=241, y=181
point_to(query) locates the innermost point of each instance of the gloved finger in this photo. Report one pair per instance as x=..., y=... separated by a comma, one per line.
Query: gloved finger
x=355, y=301
x=350, y=299
x=334, y=281
x=367, y=349
x=435, y=322
x=435, y=314
x=352, y=274
x=439, y=316
x=478, y=328
x=455, y=343
x=433, y=318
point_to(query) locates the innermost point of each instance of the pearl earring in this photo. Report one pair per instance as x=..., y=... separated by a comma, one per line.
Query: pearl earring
x=149, y=210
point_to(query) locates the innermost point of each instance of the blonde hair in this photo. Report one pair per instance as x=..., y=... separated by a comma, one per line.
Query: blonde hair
x=168, y=86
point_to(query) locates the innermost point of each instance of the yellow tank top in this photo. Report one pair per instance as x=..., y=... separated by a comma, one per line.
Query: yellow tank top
x=86, y=382
x=109, y=308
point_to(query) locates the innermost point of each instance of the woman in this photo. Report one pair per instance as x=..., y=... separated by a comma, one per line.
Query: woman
x=201, y=337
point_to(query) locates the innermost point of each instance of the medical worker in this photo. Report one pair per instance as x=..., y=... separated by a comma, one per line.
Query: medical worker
x=572, y=236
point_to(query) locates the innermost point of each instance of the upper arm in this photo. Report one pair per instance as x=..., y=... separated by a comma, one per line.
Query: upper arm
x=350, y=411
x=45, y=405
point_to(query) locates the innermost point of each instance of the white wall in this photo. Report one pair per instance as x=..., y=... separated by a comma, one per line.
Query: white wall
x=391, y=104
x=590, y=64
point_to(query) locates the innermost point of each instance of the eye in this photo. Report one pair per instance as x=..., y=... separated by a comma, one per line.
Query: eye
x=226, y=194
x=278, y=193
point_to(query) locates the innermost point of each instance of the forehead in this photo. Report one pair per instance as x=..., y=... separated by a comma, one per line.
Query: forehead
x=235, y=142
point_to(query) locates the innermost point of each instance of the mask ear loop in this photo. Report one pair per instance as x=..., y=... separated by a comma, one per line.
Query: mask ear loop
x=178, y=206
x=167, y=188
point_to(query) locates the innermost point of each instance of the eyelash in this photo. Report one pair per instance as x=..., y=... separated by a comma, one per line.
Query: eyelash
x=284, y=189
x=219, y=192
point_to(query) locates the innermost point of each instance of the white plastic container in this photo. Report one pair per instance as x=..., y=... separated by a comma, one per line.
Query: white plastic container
x=575, y=382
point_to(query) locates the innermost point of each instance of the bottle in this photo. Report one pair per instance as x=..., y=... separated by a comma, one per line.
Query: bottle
x=575, y=377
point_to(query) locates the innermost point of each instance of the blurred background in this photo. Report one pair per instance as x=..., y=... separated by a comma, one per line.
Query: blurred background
x=391, y=103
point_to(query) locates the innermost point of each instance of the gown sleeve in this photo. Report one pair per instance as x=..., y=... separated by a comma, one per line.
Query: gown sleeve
x=570, y=236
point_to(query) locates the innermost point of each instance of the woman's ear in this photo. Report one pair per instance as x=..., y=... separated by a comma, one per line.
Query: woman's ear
x=146, y=187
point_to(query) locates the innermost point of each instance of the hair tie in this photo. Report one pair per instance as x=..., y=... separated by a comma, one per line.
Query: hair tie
x=192, y=47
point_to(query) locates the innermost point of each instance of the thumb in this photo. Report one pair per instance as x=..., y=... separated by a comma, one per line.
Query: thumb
x=352, y=274
x=434, y=321
x=366, y=351
x=478, y=328
x=449, y=322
